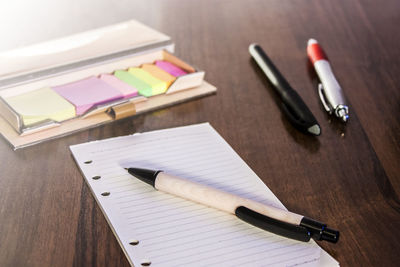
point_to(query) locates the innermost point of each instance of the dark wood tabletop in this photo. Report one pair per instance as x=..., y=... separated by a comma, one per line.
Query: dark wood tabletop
x=348, y=177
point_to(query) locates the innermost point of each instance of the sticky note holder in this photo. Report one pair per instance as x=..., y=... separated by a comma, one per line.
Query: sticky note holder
x=93, y=53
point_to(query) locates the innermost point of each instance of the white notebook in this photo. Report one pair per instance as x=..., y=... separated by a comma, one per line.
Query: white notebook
x=158, y=229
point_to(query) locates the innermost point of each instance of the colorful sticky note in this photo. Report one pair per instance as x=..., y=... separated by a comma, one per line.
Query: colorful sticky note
x=87, y=93
x=143, y=88
x=159, y=73
x=126, y=89
x=170, y=68
x=41, y=104
x=157, y=86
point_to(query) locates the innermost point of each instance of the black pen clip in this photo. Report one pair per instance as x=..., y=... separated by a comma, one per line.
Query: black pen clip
x=272, y=225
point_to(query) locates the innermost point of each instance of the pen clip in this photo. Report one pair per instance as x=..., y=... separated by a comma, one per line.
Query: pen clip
x=323, y=100
x=272, y=225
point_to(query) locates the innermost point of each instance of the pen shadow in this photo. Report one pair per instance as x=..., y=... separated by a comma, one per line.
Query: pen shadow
x=335, y=124
x=309, y=142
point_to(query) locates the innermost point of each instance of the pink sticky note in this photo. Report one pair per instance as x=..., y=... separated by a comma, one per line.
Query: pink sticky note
x=85, y=94
x=170, y=68
x=126, y=90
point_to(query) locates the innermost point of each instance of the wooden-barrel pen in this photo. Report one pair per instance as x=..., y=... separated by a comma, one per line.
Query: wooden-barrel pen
x=272, y=219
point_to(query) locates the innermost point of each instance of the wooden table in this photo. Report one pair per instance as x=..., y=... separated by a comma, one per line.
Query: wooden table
x=348, y=177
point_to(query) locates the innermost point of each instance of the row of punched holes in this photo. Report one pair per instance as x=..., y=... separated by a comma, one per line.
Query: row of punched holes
x=132, y=242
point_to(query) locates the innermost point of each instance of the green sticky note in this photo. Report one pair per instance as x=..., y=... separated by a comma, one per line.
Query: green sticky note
x=158, y=86
x=41, y=104
x=142, y=87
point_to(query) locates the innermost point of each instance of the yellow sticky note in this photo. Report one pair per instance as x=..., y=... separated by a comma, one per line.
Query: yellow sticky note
x=41, y=104
x=159, y=73
x=158, y=86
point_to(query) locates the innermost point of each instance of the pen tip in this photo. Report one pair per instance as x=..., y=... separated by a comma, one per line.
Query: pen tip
x=343, y=114
x=315, y=129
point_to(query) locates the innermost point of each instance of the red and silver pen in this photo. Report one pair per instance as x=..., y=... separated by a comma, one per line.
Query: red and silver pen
x=329, y=89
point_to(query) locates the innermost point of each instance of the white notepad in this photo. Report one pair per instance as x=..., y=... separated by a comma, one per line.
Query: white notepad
x=164, y=230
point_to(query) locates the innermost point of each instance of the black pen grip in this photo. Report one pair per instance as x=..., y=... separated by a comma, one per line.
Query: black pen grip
x=297, y=111
x=272, y=225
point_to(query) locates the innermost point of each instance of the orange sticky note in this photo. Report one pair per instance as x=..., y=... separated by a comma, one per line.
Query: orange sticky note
x=159, y=73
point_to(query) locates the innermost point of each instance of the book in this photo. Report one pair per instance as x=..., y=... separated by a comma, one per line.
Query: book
x=158, y=229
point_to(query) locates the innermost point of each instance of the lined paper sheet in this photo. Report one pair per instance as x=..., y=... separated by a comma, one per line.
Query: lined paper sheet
x=156, y=227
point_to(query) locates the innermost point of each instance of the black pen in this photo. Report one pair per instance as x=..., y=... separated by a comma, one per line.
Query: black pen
x=294, y=107
x=272, y=219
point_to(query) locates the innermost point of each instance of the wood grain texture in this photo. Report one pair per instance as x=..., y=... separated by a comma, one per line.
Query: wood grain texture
x=347, y=177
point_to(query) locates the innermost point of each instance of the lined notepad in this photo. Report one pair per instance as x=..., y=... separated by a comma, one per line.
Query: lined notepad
x=163, y=230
